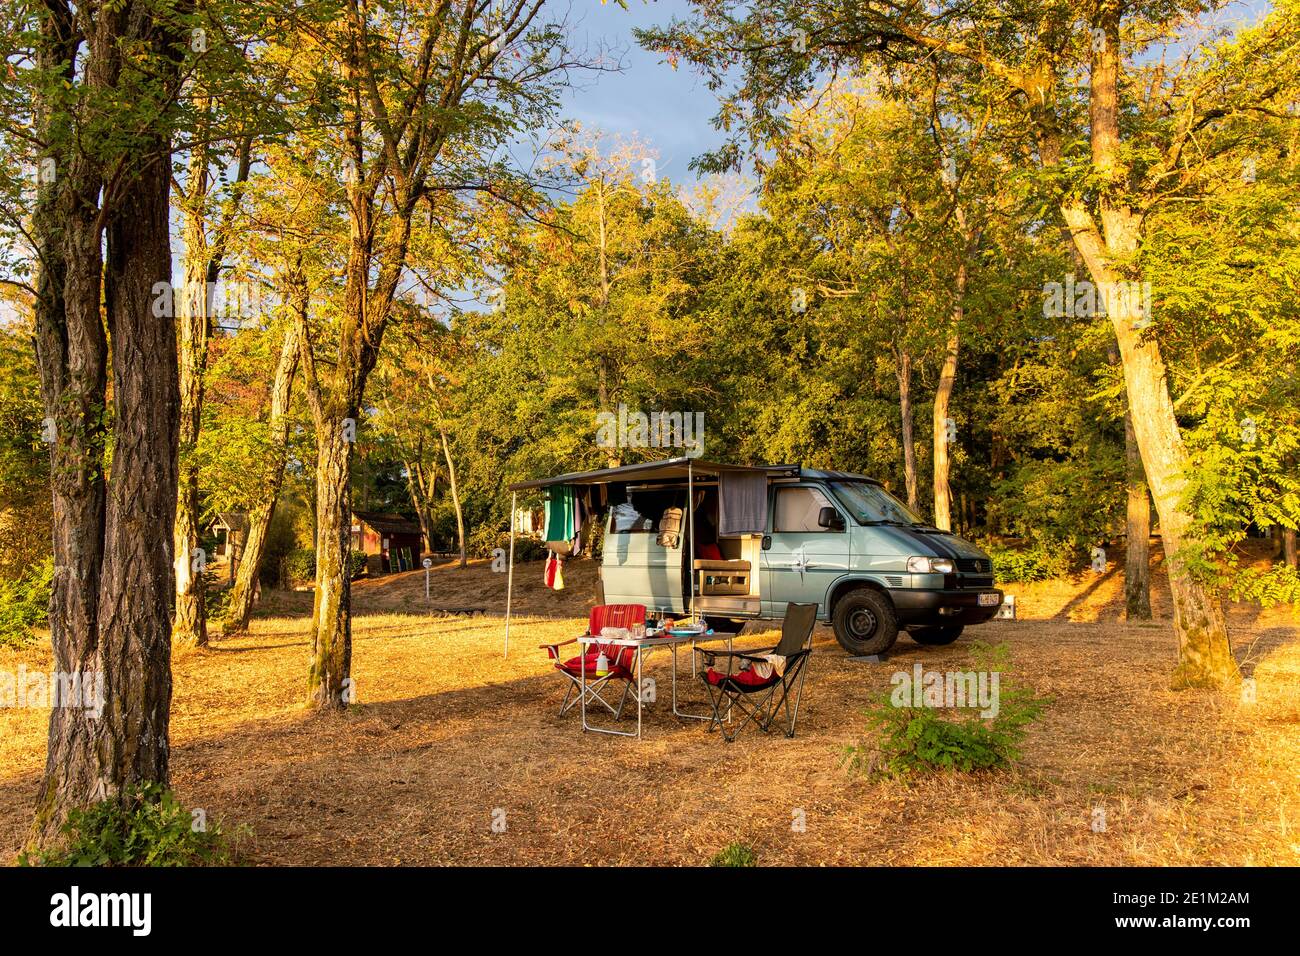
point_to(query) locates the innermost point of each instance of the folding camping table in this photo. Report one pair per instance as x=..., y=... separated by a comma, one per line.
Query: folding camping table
x=642, y=645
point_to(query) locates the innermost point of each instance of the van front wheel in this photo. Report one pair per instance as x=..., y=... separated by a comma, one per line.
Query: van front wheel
x=864, y=622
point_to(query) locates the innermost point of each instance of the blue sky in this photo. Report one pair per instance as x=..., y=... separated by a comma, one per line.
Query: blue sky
x=669, y=109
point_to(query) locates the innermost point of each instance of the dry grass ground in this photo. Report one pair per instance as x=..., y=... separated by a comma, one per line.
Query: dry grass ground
x=449, y=733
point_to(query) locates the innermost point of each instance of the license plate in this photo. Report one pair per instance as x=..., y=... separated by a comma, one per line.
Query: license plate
x=990, y=600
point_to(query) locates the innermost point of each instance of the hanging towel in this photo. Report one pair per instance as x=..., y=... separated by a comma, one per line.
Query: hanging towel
x=561, y=507
x=742, y=503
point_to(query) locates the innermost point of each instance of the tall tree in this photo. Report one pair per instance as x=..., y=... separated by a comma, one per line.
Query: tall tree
x=421, y=104
x=104, y=80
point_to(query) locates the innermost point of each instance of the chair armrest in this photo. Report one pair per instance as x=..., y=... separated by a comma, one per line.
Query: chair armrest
x=554, y=649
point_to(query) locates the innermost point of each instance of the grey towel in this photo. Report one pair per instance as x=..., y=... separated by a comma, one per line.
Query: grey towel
x=742, y=507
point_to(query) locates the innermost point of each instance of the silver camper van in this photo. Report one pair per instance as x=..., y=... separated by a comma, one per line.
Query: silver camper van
x=737, y=543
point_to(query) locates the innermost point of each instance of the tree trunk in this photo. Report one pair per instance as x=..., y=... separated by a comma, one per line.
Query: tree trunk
x=1137, y=565
x=193, y=307
x=329, y=680
x=72, y=352
x=421, y=486
x=455, y=493
x=942, y=399
x=1289, y=547
x=111, y=595
x=127, y=641
x=259, y=518
x=908, y=418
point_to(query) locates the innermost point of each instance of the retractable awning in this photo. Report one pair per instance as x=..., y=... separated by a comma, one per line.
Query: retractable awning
x=668, y=470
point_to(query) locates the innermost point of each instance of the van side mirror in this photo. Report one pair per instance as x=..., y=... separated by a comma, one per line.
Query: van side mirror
x=830, y=519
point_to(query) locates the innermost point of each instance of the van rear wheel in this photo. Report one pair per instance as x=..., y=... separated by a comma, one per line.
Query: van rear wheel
x=865, y=622
x=935, y=635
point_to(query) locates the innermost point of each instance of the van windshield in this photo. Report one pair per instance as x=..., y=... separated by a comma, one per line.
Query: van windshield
x=871, y=504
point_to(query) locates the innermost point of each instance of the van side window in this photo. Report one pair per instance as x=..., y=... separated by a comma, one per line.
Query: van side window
x=797, y=509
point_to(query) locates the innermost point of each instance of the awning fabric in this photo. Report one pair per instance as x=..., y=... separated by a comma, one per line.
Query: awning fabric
x=668, y=470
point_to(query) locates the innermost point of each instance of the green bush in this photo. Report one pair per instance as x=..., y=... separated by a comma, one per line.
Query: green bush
x=1035, y=563
x=734, y=854
x=481, y=542
x=25, y=604
x=908, y=741
x=150, y=829
x=299, y=566
x=216, y=598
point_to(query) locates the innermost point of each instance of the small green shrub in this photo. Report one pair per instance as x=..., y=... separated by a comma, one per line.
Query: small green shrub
x=150, y=829
x=734, y=854
x=483, y=540
x=216, y=598
x=299, y=566
x=908, y=741
x=1035, y=563
x=25, y=604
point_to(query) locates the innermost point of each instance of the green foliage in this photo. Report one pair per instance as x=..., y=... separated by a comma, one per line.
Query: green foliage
x=1034, y=563
x=906, y=741
x=25, y=604
x=734, y=854
x=148, y=828
x=216, y=597
x=299, y=565
x=1268, y=587
x=483, y=540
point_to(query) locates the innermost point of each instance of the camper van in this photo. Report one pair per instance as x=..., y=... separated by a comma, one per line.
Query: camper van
x=734, y=544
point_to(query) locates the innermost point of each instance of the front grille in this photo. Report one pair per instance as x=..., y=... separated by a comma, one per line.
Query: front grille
x=975, y=581
x=974, y=565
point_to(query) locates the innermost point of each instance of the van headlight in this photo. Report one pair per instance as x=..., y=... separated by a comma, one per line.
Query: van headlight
x=928, y=565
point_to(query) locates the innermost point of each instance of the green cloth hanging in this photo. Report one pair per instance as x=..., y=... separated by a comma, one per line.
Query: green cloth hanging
x=561, y=512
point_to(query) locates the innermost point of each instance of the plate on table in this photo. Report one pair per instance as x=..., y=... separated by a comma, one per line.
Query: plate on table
x=690, y=631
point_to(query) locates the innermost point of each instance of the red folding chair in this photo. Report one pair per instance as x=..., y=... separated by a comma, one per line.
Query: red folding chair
x=621, y=660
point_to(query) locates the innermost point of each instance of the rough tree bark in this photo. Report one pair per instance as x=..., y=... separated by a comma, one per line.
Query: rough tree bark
x=259, y=518
x=110, y=603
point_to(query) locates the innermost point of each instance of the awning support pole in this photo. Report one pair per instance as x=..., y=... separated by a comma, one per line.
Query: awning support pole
x=510, y=572
x=690, y=511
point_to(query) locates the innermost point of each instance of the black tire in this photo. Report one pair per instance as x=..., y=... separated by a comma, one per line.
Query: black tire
x=936, y=635
x=865, y=622
x=725, y=625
